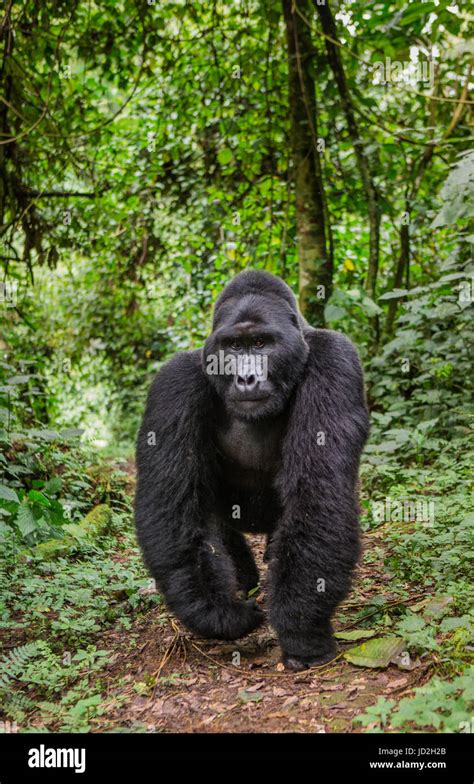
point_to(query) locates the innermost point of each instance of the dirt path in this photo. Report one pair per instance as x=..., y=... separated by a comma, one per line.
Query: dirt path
x=171, y=681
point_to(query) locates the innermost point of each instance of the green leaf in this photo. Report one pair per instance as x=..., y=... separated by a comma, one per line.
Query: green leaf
x=394, y=294
x=46, y=435
x=334, y=312
x=224, y=156
x=370, y=308
x=53, y=486
x=437, y=606
x=71, y=432
x=39, y=498
x=25, y=519
x=450, y=624
x=417, y=11
x=4, y=528
x=412, y=623
x=8, y=494
x=18, y=380
x=375, y=653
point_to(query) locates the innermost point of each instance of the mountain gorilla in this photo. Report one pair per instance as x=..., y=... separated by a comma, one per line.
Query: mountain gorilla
x=225, y=447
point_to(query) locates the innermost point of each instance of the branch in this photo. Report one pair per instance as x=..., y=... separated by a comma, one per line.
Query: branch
x=35, y=194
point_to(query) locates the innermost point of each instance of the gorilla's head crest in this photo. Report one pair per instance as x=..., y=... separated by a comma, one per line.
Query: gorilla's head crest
x=260, y=283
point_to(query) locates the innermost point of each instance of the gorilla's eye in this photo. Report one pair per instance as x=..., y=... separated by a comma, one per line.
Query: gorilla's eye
x=259, y=343
x=235, y=344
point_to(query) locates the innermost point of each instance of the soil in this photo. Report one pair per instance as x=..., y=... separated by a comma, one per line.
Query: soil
x=170, y=681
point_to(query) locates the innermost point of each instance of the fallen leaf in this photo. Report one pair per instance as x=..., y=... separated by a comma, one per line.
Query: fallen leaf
x=256, y=686
x=208, y=720
x=437, y=606
x=375, y=653
x=419, y=605
x=245, y=696
x=396, y=684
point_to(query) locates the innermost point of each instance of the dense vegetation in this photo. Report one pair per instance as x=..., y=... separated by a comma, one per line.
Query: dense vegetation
x=148, y=151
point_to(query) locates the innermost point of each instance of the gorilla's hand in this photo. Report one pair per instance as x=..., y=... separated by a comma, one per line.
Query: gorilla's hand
x=225, y=622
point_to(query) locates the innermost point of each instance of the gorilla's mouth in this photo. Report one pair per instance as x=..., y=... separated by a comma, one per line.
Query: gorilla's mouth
x=244, y=400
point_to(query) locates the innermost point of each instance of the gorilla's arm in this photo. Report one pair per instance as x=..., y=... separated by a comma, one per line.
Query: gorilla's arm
x=316, y=545
x=181, y=544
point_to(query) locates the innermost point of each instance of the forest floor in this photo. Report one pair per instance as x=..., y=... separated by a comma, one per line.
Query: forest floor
x=198, y=688
x=195, y=685
x=89, y=645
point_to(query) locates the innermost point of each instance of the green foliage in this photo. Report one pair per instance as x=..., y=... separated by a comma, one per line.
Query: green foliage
x=418, y=372
x=39, y=671
x=439, y=706
x=458, y=192
x=14, y=664
x=72, y=599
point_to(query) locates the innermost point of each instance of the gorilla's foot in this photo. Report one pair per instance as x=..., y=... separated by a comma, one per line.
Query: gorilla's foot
x=298, y=663
x=301, y=653
x=228, y=623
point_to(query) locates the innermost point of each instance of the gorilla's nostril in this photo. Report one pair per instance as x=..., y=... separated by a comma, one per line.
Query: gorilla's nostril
x=246, y=383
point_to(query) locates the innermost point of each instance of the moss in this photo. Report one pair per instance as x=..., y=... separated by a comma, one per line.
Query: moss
x=94, y=523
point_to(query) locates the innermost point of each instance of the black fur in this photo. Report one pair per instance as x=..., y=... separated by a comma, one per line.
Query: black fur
x=210, y=445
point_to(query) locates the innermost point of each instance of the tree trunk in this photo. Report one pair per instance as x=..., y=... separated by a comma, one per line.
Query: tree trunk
x=402, y=267
x=312, y=224
x=363, y=163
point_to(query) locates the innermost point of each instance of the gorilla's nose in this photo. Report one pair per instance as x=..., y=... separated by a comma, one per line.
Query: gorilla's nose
x=246, y=382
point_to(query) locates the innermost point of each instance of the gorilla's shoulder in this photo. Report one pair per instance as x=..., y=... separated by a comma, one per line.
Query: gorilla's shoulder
x=180, y=380
x=332, y=351
x=329, y=341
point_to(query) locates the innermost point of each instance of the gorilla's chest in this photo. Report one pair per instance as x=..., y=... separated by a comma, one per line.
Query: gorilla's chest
x=250, y=452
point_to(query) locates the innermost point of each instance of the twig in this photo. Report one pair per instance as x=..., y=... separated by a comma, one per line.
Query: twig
x=259, y=675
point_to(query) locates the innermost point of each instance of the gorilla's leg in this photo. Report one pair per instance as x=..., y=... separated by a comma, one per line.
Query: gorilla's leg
x=309, y=575
x=247, y=572
x=267, y=556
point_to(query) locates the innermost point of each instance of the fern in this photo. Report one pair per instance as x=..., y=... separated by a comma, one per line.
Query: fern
x=12, y=665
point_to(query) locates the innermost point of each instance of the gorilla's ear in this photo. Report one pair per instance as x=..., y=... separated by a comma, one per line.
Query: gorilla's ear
x=300, y=322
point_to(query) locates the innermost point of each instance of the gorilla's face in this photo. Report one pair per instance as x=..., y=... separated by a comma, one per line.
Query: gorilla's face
x=255, y=355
